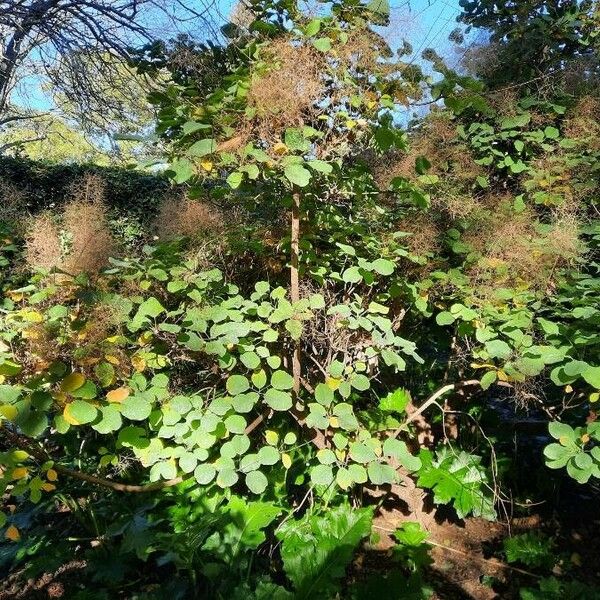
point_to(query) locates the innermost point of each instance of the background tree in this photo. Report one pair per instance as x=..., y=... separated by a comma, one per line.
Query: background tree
x=77, y=45
x=530, y=39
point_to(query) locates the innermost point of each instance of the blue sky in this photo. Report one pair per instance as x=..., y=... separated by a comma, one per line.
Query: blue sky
x=424, y=23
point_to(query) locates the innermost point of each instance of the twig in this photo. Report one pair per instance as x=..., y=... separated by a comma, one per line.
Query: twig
x=433, y=400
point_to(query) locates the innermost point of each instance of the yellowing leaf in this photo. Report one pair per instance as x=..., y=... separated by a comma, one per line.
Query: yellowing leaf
x=51, y=475
x=20, y=473
x=350, y=124
x=502, y=376
x=12, y=534
x=334, y=421
x=72, y=382
x=48, y=487
x=585, y=438
x=286, y=460
x=207, y=165
x=594, y=396
x=8, y=411
x=280, y=148
x=139, y=364
x=68, y=417
x=32, y=316
x=31, y=334
x=145, y=338
x=333, y=383
x=113, y=360
x=60, y=398
x=15, y=296
x=118, y=395
x=272, y=437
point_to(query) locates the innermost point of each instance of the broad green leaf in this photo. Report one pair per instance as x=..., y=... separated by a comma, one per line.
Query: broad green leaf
x=297, y=175
x=383, y=266
x=256, y=482
x=322, y=44
x=281, y=380
x=110, y=420
x=204, y=473
x=182, y=169
x=322, y=475
x=251, y=360
x=324, y=394
x=268, y=455
x=237, y=384
x=80, y=412
x=235, y=424
x=203, y=147
x=361, y=453
x=278, y=400
x=380, y=474
x=136, y=408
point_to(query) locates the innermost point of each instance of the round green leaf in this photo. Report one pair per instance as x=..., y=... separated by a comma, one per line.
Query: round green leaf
x=82, y=411
x=326, y=456
x=383, y=266
x=268, y=455
x=251, y=360
x=235, y=424
x=136, y=408
x=250, y=462
x=361, y=453
x=237, y=384
x=259, y=379
x=256, y=482
x=187, y=462
x=204, y=473
x=321, y=475
x=297, y=175
x=380, y=473
x=281, y=380
x=360, y=382
x=110, y=421
x=358, y=473
x=278, y=400
x=227, y=477
x=324, y=394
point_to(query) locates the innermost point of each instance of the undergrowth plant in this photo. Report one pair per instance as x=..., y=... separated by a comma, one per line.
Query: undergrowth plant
x=328, y=304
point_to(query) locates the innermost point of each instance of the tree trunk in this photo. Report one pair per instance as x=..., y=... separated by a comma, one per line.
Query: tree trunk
x=295, y=283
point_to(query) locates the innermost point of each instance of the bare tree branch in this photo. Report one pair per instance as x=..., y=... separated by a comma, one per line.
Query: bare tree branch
x=77, y=40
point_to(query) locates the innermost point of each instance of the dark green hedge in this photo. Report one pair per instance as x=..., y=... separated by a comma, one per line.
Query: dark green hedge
x=127, y=191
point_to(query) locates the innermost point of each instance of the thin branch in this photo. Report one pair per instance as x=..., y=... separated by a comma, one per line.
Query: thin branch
x=9, y=145
x=42, y=455
x=434, y=397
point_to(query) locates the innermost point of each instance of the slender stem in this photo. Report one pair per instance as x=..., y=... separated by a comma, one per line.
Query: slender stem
x=295, y=283
x=433, y=400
